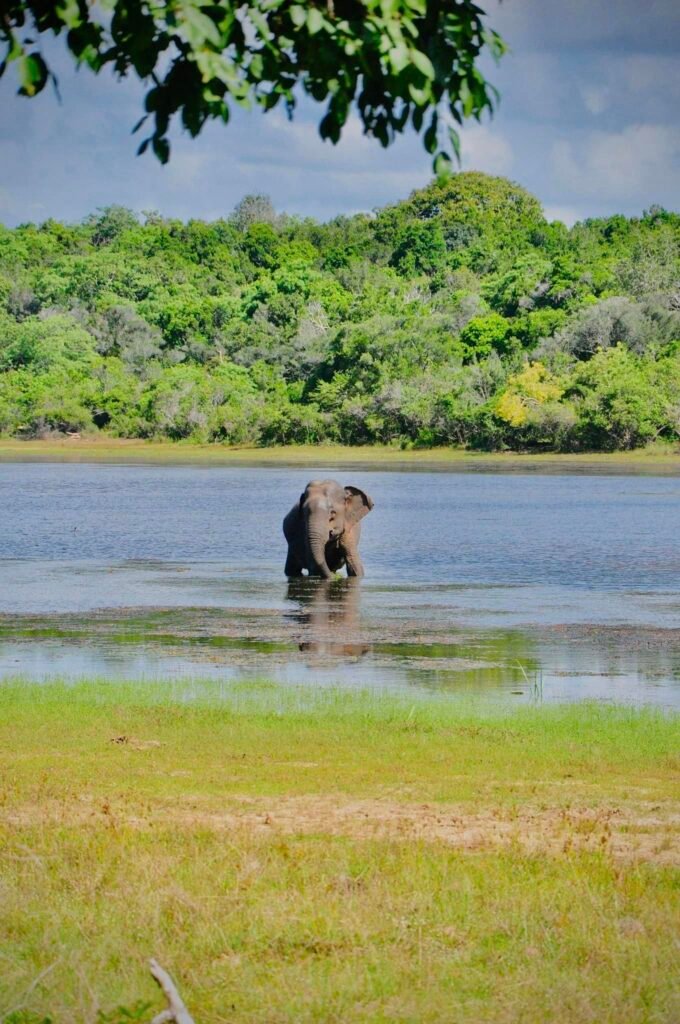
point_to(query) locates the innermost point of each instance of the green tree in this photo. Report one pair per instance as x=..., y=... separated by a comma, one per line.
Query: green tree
x=521, y=287
x=110, y=222
x=261, y=244
x=625, y=401
x=472, y=209
x=485, y=334
x=44, y=344
x=419, y=249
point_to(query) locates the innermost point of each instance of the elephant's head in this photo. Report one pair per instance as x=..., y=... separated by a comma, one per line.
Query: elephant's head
x=330, y=511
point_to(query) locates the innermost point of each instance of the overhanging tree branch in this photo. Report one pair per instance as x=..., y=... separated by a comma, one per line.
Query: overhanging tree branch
x=405, y=63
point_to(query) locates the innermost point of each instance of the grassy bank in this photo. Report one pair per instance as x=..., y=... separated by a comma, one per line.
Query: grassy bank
x=655, y=459
x=321, y=857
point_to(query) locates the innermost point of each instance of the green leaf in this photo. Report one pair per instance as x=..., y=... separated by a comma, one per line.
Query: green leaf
x=329, y=128
x=151, y=99
x=202, y=29
x=495, y=44
x=33, y=74
x=298, y=15
x=430, y=136
x=466, y=98
x=420, y=97
x=441, y=165
x=315, y=21
x=161, y=148
x=398, y=56
x=454, y=139
x=419, y=7
x=260, y=23
x=423, y=63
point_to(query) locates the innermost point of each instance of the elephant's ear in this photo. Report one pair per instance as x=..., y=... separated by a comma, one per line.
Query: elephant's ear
x=357, y=505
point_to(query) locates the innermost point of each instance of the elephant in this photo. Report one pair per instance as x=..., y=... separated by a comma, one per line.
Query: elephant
x=323, y=529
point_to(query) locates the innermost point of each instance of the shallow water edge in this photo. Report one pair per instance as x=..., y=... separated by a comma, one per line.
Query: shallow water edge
x=654, y=460
x=318, y=642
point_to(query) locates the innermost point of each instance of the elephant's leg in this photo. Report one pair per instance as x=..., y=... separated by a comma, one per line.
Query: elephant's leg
x=294, y=566
x=355, y=567
x=294, y=533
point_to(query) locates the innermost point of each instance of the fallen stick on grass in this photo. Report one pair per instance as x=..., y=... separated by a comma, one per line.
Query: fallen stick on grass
x=176, y=1011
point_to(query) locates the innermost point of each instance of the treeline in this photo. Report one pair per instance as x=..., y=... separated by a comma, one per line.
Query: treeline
x=460, y=316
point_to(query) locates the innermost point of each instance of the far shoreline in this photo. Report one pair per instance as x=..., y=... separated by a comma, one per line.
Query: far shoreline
x=648, y=461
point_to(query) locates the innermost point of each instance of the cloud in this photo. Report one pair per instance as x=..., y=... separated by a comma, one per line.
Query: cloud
x=646, y=86
x=596, y=100
x=623, y=25
x=306, y=174
x=485, y=148
x=275, y=141
x=298, y=145
x=187, y=167
x=537, y=88
x=639, y=159
x=567, y=214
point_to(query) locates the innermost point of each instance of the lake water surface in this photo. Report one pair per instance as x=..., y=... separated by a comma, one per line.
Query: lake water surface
x=521, y=586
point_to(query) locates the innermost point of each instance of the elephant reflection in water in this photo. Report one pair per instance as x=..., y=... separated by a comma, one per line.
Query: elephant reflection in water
x=328, y=611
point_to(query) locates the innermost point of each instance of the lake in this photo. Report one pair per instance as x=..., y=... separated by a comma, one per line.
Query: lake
x=513, y=586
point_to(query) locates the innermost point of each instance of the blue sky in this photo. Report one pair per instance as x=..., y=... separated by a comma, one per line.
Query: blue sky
x=589, y=122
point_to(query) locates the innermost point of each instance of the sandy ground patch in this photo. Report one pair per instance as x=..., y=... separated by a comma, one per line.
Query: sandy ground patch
x=646, y=832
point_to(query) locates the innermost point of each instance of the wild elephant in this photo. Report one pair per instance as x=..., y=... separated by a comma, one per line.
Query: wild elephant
x=323, y=529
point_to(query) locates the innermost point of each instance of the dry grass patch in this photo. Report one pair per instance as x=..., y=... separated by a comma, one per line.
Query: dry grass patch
x=292, y=856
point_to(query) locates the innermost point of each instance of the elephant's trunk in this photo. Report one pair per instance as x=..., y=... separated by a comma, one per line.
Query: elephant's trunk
x=317, y=536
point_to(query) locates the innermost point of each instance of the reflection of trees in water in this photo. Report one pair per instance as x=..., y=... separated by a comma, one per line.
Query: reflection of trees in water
x=487, y=661
x=620, y=655
x=563, y=666
x=328, y=612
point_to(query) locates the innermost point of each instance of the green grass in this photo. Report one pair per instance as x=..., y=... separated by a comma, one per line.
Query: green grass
x=655, y=458
x=299, y=855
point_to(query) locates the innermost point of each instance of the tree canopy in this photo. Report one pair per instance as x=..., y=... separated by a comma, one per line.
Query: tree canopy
x=397, y=64
x=459, y=316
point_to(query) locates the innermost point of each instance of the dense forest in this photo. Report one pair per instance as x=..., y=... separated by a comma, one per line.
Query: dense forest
x=460, y=316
